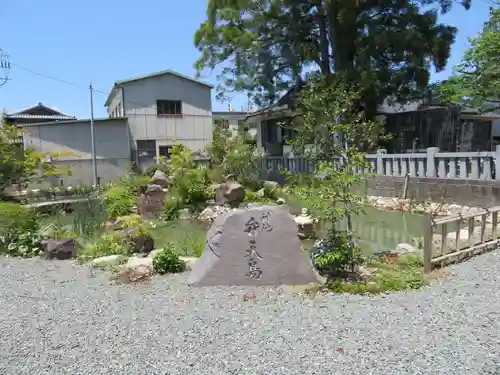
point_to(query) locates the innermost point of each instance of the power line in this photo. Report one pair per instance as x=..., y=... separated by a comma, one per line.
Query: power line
x=73, y=84
x=48, y=77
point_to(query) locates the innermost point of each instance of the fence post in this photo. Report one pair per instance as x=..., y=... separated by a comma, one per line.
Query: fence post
x=380, y=162
x=497, y=163
x=431, y=161
x=428, y=243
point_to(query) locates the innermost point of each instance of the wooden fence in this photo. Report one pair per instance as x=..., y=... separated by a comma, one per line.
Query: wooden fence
x=454, y=238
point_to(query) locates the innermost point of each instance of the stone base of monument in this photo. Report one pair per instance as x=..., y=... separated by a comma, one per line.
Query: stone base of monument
x=254, y=246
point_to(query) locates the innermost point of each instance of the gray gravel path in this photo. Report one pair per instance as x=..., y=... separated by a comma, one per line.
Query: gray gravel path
x=56, y=319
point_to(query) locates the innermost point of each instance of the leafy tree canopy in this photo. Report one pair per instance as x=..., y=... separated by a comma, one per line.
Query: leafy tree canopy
x=22, y=165
x=385, y=47
x=476, y=80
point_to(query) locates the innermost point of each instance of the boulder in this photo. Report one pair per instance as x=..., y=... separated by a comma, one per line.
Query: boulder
x=235, y=193
x=270, y=185
x=161, y=179
x=141, y=244
x=220, y=195
x=253, y=246
x=230, y=192
x=60, y=249
x=151, y=200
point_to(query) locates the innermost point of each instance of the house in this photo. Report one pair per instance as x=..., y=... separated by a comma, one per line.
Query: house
x=35, y=114
x=413, y=126
x=161, y=108
x=73, y=139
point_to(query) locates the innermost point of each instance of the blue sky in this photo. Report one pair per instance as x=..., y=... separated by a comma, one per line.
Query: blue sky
x=104, y=41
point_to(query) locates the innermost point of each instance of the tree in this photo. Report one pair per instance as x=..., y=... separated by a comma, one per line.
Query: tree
x=327, y=113
x=384, y=48
x=21, y=165
x=476, y=80
x=232, y=154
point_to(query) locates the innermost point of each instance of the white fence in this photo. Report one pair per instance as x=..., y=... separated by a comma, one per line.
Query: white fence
x=432, y=164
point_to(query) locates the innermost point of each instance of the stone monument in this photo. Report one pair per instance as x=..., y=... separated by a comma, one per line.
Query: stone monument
x=253, y=246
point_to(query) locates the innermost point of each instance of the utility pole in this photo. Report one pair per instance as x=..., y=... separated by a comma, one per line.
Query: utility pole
x=92, y=134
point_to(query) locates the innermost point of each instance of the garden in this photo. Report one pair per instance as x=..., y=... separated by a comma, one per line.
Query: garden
x=155, y=221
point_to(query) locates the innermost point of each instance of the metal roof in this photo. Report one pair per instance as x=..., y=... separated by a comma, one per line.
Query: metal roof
x=74, y=121
x=152, y=75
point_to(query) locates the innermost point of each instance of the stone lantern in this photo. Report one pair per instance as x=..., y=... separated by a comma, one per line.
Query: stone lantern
x=305, y=224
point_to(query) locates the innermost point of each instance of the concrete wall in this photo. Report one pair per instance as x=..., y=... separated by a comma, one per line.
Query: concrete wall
x=193, y=128
x=461, y=191
x=116, y=106
x=73, y=137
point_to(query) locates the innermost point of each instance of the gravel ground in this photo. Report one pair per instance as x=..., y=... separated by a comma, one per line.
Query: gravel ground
x=57, y=319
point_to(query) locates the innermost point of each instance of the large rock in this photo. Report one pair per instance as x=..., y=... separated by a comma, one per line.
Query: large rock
x=255, y=246
x=151, y=200
x=230, y=192
x=60, y=249
x=141, y=244
x=160, y=178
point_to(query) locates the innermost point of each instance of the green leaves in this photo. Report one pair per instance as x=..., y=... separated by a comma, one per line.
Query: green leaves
x=263, y=47
x=18, y=164
x=476, y=79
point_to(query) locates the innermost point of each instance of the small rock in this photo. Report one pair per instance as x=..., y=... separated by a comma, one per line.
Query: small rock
x=154, y=252
x=270, y=185
x=139, y=261
x=184, y=214
x=134, y=274
x=280, y=201
x=404, y=248
x=190, y=261
x=161, y=179
x=109, y=260
x=208, y=214
x=261, y=193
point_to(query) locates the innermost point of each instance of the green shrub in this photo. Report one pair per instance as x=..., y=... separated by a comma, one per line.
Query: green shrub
x=119, y=201
x=338, y=255
x=26, y=245
x=108, y=244
x=15, y=219
x=115, y=243
x=167, y=261
x=135, y=222
x=171, y=208
x=19, y=230
x=192, y=187
x=87, y=218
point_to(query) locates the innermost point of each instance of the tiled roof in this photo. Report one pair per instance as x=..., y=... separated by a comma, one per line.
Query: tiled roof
x=40, y=117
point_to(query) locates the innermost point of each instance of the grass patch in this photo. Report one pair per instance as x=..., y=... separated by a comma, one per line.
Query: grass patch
x=185, y=236
x=385, y=274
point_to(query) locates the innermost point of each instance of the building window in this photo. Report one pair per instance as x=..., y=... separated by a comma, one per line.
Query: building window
x=222, y=123
x=169, y=108
x=146, y=148
x=165, y=151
